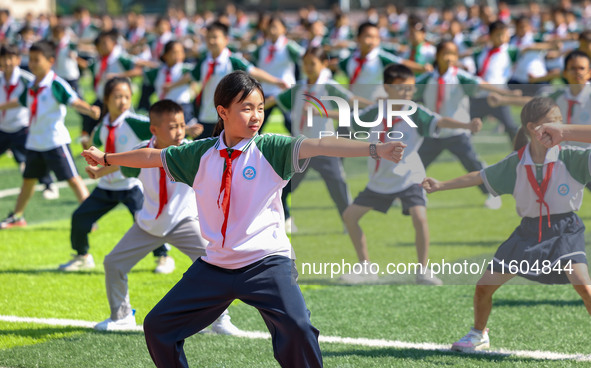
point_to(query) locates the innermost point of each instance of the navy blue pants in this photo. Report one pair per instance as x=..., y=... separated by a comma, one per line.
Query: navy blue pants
x=459, y=145
x=205, y=291
x=98, y=203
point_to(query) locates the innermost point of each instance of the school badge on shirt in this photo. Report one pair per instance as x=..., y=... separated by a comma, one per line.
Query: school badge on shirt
x=249, y=173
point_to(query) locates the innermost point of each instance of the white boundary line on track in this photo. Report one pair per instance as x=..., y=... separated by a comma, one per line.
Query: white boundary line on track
x=379, y=343
x=39, y=187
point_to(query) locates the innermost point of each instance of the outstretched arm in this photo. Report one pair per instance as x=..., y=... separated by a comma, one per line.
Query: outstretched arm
x=552, y=134
x=141, y=158
x=339, y=147
x=469, y=180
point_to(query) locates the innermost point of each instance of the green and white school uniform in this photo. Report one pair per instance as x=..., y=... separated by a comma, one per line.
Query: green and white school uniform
x=574, y=109
x=244, y=221
x=278, y=59
x=554, y=188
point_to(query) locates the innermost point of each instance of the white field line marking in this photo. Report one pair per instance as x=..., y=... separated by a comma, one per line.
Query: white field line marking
x=378, y=343
x=40, y=187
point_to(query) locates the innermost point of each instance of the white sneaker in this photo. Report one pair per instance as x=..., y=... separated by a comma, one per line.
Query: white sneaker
x=492, y=202
x=473, y=341
x=427, y=278
x=164, y=264
x=290, y=227
x=52, y=192
x=364, y=277
x=78, y=263
x=223, y=326
x=123, y=324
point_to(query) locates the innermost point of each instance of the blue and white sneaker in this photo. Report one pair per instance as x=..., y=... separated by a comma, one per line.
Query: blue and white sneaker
x=473, y=341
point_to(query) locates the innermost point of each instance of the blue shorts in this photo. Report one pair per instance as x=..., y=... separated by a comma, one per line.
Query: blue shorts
x=16, y=143
x=410, y=197
x=59, y=160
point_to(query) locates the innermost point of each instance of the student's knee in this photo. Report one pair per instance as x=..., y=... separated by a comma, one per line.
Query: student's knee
x=483, y=291
x=350, y=215
x=300, y=329
x=153, y=324
x=419, y=215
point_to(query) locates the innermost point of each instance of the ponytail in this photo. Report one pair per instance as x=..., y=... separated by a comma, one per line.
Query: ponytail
x=520, y=140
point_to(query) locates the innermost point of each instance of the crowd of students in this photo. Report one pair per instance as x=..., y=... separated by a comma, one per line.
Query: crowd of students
x=461, y=65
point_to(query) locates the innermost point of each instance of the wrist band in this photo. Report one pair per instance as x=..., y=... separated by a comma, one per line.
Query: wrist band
x=105, y=159
x=373, y=151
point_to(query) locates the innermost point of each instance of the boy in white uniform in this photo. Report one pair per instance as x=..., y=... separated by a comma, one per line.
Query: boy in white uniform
x=48, y=140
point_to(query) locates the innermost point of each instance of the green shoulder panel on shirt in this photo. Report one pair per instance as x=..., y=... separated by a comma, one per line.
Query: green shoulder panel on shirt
x=284, y=99
x=368, y=114
x=96, y=136
x=22, y=99
x=140, y=125
x=513, y=53
x=338, y=91
x=424, y=119
x=126, y=62
x=62, y=91
x=343, y=64
x=186, y=68
x=501, y=176
x=295, y=51
x=556, y=94
x=421, y=85
x=151, y=75
x=183, y=161
x=469, y=82
x=277, y=150
x=196, y=72
x=134, y=172
x=239, y=63
x=387, y=58
x=255, y=56
x=577, y=163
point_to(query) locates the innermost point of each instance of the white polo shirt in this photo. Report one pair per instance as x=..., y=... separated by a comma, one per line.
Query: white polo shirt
x=117, y=62
x=565, y=189
x=581, y=107
x=47, y=130
x=530, y=63
x=256, y=224
x=226, y=63
x=499, y=66
x=13, y=120
x=157, y=78
x=65, y=64
x=458, y=87
x=131, y=129
x=282, y=65
x=180, y=205
x=385, y=176
x=370, y=79
x=294, y=100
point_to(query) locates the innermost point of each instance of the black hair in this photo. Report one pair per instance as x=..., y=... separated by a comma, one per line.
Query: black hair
x=522, y=18
x=9, y=50
x=532, y=112
x=46, y=48
x=169, y=45
x=236, y=84
x=575, y=54
x=393, y=72
x=585, y=36
x=110, y=86
x=58, y=28
x=161, y=19
x=316, y=51
x=25, y=29
x=5, y=11
x=112, y=34
x=277, y=17
x=164, y=107
x=363, y=26
x=441, y=45
x=217, y=25
x=497, y=26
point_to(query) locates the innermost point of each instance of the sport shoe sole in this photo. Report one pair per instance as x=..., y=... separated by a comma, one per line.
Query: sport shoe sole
x=10, y=225
x=467, y=349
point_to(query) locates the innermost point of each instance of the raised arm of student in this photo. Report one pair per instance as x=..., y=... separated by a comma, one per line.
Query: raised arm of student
x=469, y=180
x=12, y=104
x=474, y=125
x=263, y=76
x=339, y=147
x=84, y=108
x=141, y=158
x=552, y=134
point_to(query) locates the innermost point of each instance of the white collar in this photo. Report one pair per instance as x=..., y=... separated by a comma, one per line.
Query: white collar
x=46, y=81
x=222, y=58
x=373, y=54
x=551, y=155
x=117, y=121
x=240, y=146
x=582, y=97
x=16, y=73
